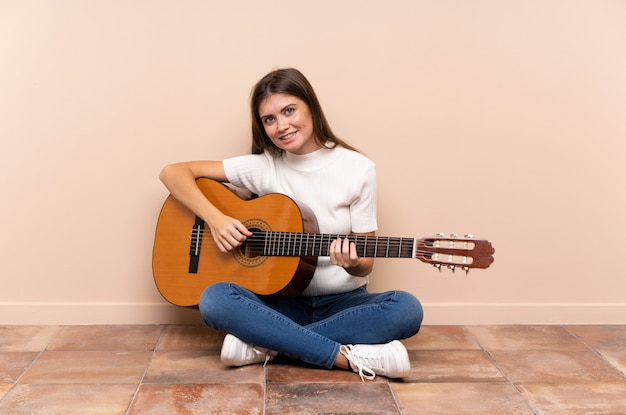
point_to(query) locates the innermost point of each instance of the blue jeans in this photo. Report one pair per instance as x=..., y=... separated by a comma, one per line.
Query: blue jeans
x=311, y=329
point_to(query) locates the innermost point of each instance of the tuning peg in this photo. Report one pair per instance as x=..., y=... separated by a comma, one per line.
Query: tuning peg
x=440, y=234
x=469, y=235
x=466, y=269
x=438, y=266
x=453, y=235
x=452, y=267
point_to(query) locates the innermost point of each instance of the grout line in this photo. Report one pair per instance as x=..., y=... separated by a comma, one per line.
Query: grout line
x=495, y=363
x=27, y=368
x=594, y=350
x=393, y=395
x=145, y=371
x=264, y=388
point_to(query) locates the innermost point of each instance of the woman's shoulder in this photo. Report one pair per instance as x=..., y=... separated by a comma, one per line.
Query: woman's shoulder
x=354, y=156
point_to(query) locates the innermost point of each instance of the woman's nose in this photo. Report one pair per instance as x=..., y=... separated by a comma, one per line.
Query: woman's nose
x=282, y=124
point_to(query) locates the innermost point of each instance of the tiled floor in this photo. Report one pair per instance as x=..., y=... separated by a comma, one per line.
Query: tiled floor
x=172, y=369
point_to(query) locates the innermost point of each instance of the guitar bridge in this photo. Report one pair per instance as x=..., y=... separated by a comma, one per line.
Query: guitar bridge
x=195, y=245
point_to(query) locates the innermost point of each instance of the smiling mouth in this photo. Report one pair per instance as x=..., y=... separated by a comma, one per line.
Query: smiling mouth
x=288, y=136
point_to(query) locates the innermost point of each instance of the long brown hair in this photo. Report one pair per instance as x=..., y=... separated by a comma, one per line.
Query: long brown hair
x=292, y=82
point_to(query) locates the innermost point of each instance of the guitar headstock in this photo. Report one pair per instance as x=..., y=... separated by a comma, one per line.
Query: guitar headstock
x=455, y=252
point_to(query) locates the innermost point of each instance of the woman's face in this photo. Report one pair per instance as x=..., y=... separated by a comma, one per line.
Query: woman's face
x=288, y=123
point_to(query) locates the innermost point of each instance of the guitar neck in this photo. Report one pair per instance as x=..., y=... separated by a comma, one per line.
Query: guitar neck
x=316, y=245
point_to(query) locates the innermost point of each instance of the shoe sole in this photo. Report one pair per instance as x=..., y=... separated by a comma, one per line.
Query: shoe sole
x=228, y=354
x=401, y=357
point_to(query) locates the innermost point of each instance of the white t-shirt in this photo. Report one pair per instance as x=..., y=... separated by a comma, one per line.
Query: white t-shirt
x=338, y=185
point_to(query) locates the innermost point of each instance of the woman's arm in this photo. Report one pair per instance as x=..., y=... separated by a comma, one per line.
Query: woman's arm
x=180, y=180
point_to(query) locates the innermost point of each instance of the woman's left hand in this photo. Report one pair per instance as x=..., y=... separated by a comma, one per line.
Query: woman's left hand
x=343, y=253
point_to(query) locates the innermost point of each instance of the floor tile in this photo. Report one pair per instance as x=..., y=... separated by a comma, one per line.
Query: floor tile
x=190, y=337
x=329, y=398
x=526, y=338
x=106, y=338
x=195, y=366
x=550, y=366
x=460, y=399
x=198, y=399
x=616, y=357
x=576, y=398
x=13, y=364
x=4, y=387
x=286, y=370
x=26, y=338
x=68, y=399
x=606, y=337
x=87, y=367
x=441, y=338
x=176, y=369
x=452, y=366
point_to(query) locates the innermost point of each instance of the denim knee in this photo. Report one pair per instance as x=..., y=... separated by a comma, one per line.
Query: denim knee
x=413, y=312
x=212, y=301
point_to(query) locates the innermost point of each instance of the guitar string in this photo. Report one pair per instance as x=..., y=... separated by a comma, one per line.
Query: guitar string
x=285, y=247
x=321, y=240
x=290, y=238
x=294, y=238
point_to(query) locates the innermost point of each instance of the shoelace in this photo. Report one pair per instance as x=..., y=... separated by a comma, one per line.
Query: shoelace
x=359, y=362
x=267, y=354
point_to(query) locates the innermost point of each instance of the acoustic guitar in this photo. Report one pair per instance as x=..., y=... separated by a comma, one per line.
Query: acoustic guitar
x=281, y=255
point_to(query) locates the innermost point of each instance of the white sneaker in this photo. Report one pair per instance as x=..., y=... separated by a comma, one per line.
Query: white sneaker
x=368, y=360
x=236, y=352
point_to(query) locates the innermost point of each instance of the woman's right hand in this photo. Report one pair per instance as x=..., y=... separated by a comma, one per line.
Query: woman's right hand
x=180, y=179
x=228, y=233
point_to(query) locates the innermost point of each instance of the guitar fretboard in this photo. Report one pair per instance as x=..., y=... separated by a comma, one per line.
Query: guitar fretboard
x=316, y=245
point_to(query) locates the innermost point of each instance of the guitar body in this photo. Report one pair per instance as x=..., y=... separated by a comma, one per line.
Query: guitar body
x=281, y=255
x=264, y=275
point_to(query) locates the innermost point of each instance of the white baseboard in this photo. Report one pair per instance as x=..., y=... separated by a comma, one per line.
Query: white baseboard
x=96, y=313
x=524, y=313
x=25, y=313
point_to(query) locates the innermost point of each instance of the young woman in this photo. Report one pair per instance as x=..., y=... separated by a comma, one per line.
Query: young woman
x=336, y=322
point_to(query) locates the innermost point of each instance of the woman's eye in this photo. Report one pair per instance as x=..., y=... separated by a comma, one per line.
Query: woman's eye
x=268, y=120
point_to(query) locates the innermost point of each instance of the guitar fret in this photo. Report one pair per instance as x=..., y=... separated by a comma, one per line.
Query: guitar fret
x=300, y=246
x=289, y=244
x=280, y=245
x=295, y=251
x=273, y=244
x=311, y=244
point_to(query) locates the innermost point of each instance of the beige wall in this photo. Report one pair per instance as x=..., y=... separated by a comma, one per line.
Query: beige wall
x=501, y=118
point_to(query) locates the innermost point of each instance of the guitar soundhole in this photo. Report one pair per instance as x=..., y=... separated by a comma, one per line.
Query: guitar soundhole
x=251, y=248
x=249, y=253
